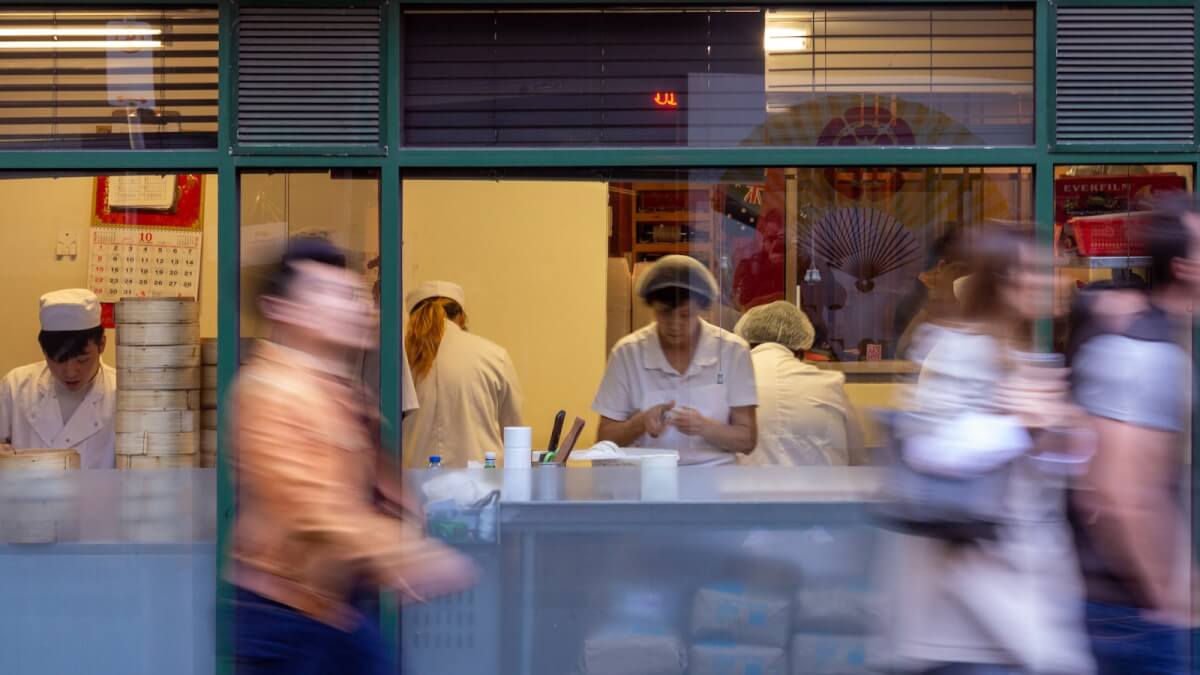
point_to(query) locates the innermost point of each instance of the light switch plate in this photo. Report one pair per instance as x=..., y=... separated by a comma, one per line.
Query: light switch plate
x=67, y=244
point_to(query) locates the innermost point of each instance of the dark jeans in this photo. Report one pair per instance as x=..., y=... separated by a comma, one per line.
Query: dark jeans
x=274, y=639
x=1125, y=643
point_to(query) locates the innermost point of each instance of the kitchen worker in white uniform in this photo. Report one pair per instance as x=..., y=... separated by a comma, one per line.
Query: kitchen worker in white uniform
x=466, y=385
x=804, y=416
x=68, y=400
x=680, y=383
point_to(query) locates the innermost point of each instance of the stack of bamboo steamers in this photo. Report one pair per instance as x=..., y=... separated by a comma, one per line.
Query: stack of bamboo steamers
x=158, y=422
x=208, y=403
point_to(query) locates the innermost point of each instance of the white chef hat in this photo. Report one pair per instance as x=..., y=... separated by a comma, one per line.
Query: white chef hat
x=434, y=289
x=69, y=309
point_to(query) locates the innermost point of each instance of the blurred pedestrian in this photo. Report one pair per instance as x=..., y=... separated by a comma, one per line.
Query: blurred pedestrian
x=309, y=530
x=804, y=416
x=1132, y=374
x=1008, y=599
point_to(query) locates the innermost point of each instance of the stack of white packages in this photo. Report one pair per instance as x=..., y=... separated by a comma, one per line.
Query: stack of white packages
x=158, y=383
x=739, y=631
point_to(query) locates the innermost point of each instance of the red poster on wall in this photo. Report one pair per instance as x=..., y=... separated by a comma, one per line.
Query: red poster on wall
x=1097, y=195
x=169, y=201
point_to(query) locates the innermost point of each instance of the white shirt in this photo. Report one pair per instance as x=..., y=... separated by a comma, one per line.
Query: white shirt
x=467, y=398
x=804, y=417
x=30, y=415
x=719, y=378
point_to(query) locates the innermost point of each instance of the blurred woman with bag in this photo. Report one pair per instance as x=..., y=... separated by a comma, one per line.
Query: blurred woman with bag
x=990, y=583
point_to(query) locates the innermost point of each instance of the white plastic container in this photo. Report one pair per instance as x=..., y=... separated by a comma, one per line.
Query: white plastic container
x=518, y=447
x=660, y=477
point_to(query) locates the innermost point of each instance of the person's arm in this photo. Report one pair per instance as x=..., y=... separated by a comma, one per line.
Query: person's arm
x=284, y=453
x=511, y=400
x=739, y=435
x=1134, y=522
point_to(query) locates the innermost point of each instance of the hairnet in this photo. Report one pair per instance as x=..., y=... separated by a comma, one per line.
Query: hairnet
x=678, y=271
x=780, y=322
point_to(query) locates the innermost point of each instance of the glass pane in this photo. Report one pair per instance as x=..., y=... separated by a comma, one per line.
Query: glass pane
x=854, y=248
x=111, y=296
x=1096, y=209
x=108, y=79
x=719, y=77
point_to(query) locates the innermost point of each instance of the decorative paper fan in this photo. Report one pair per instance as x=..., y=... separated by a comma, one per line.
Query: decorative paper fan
x=865, y=243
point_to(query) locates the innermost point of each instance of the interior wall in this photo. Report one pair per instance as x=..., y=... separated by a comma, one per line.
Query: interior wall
x=35, y=211
x=532, y=257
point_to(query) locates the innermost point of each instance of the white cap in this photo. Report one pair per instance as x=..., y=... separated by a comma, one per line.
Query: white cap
x=960, y=288
x=69, y=309
x=434, y=289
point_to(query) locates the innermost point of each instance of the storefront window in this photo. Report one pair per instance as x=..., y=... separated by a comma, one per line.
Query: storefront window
x=720, y=77
x=550, y=267
x=1097, y=210
x=339, y=206
x=108, y=79
x=108, y=362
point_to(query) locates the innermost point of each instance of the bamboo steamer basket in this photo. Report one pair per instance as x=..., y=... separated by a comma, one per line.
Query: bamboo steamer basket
x=208, y=377
x=155, y=334
x=208, y=460
x=208, y=398
x=164, y=356
x=209, y=418
x=39, y=460
x=158, y=399
x=127, y=462
x=157, y=310
x=208, y=441
x=208, y=351
x=158, y=378
x=156, y=421
x=149, y=443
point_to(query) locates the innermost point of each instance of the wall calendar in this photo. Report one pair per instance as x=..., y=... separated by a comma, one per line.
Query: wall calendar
x=144, y=263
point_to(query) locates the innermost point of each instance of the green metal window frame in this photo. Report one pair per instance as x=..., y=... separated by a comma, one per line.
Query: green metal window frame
x=392, y=160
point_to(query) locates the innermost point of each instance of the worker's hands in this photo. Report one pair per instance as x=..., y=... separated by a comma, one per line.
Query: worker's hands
x=690, y=421
x=6, y=449
x=655, y=420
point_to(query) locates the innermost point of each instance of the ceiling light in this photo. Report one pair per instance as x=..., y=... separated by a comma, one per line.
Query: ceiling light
x=110, y=31
x=114, y=45
x=778, y=39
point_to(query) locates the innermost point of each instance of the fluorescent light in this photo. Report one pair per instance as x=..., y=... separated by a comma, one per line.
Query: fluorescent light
x=778, y=39
x=79, y=32
x=115, y=45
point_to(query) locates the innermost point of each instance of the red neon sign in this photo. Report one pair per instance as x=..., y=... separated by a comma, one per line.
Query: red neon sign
x=666, y=99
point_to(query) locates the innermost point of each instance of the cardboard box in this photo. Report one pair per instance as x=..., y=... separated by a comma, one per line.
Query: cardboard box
x=822, y=654
x=729, y=659
x=633, y=651
x=853, y=611
x=729, y=614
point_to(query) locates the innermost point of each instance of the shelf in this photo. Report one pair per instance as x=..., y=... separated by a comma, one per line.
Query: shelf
x=1106, y=262
x=681, y=247
x=666, y=216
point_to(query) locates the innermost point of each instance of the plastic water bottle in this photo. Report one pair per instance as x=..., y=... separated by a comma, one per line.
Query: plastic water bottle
x=489, y=460
x=435, y=462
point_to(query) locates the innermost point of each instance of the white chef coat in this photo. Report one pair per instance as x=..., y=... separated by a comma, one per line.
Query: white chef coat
x=30, y=416
x=719, y=378
x=804, y=417
x=466, y=399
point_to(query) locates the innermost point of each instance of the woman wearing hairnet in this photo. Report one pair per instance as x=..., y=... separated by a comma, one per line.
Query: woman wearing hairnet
x=680, y=383
x=804, y=417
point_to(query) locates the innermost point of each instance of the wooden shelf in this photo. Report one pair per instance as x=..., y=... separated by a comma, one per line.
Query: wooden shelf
x=681, y=247
x=666, y=216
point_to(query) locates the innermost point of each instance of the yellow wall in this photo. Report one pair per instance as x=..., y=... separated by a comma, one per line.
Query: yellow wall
x=34, y=211
x=531, y=257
